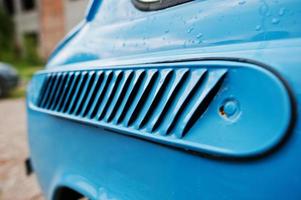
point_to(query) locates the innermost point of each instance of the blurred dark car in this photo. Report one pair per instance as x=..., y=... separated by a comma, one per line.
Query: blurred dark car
x=8, y=78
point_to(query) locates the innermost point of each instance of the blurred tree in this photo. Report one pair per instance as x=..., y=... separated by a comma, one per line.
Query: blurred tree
x=6, y=37
x=31, y=56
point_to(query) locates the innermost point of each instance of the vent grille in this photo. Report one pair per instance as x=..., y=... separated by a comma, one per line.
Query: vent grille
x=161, y=101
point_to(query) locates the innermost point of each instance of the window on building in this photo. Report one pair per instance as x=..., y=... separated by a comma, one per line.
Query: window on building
x=28, y=5
x=9, y=6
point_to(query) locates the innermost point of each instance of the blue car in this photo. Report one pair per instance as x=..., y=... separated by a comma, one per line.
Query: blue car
x=171, y=99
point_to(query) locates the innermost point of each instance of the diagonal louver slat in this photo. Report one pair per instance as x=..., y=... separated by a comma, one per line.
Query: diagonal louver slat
x=71, y=89
x=100, y=94
x=154, y=97
x=58, y=91
x=119, y=96
x=167, y=99
x=195, y=80
x=45, y=90
x=85, y=92
x=110, y=94
x=130, y=94
x=92, y=93
x=141, y=96
x=199, y=102
x=54, y=90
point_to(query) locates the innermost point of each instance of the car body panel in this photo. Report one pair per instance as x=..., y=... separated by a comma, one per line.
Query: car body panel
x=121, y=30
x=102, y=164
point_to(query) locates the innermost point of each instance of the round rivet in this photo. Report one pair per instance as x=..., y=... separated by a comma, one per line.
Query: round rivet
x=229, y=109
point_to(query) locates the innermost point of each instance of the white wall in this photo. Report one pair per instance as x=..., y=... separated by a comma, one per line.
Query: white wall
x=25, y=21
x=74, y=11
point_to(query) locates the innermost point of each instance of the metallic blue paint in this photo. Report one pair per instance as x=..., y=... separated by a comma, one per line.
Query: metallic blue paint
x=102, y=164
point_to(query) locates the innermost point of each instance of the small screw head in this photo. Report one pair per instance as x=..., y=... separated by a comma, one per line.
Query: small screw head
x=229, y=109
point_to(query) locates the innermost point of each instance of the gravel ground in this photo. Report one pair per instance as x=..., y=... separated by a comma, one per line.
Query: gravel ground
x=14, y=184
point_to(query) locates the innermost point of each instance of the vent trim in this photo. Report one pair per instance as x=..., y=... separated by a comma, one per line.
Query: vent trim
x=201, y=140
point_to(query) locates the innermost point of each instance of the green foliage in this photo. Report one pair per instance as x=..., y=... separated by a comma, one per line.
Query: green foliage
x=28, y=63
x=8, y=50
x=6, y=37
x=30, y=46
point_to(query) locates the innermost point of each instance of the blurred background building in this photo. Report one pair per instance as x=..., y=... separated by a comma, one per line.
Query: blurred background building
x=40, y=24
x=29, y=31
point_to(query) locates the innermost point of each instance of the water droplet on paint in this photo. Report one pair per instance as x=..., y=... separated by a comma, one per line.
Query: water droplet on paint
x=275, y=21
x=258, y=28
x=190, y=30
x=281, y=11
x=199, y=35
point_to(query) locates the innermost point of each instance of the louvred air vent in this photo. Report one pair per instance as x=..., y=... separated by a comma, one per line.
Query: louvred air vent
x=163, y=101
x=216, y=107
